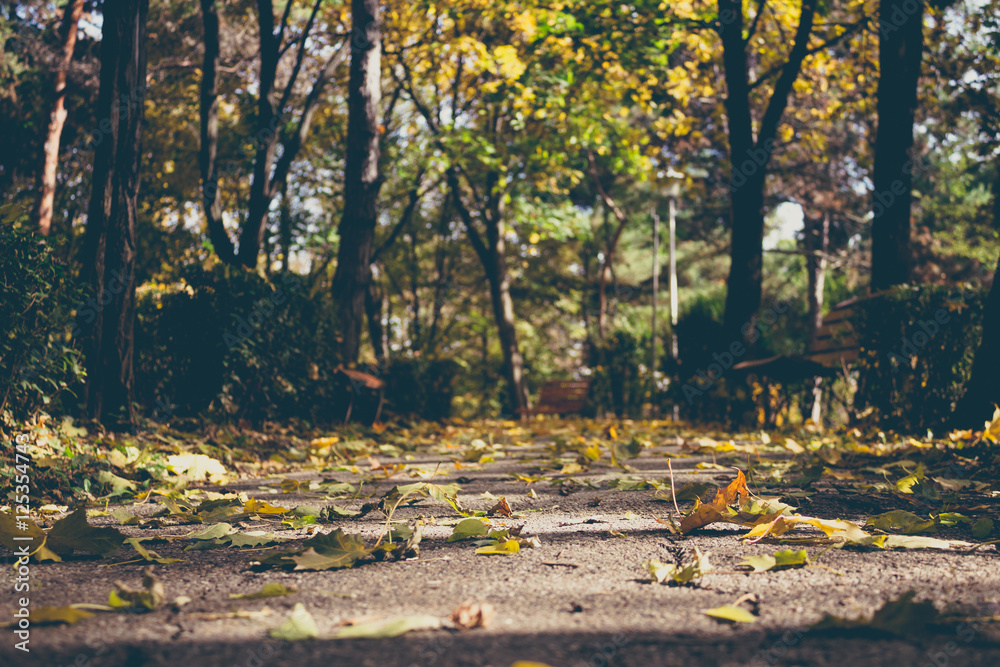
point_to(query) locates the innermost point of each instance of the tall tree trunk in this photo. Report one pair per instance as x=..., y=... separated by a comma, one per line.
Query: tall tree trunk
x=492, y=254
x=208, y=151
x=41, y=214
x=112, y=219
x=268, y=122
x=817, y=243
x=749, y=158
x=610, y=247
x=503, y=312
x=982, y=391
x=361, y=181
x=900, y=50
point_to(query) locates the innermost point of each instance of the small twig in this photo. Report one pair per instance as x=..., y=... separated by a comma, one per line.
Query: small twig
x=981, y=544
x=673, y=487
x=558, y=564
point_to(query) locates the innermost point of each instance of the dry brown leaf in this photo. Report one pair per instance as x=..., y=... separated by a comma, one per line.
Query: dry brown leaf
x=500, y=509
x=471, y=614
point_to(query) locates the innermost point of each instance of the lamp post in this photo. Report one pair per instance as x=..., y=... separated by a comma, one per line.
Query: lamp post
x=674, y=182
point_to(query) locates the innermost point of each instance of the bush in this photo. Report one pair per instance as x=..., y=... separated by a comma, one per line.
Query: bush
x=917, y=348
x=422, y=387
x=230, y=344
x=38, y=301
x=618, y=383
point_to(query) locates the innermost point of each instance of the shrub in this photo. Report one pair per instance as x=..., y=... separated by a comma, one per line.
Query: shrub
x=230, y=344
x=38, y=301
x=917, y=345
x=618, y=383
x=422, y=387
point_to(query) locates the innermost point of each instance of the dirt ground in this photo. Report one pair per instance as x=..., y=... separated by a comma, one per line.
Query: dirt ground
x=581, y=598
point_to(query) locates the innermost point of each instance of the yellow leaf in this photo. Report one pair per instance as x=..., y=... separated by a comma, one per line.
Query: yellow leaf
x=500, y=549
x=254, y=506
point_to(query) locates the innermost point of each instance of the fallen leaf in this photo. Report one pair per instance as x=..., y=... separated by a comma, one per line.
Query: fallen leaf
x=271, y=589
x=150, y=555
x=253, y=538
x=982, y=528
x=471, y=614
x=679, y=574
x=731, y=613
x=56, y=615
x=468, y=528
x=500, y=549
x=254, y=506
x=197, y=467
x=392, y=627
x=781, y=560
x=300, y=625
x=149, y=597
x=502, y=508
x=73, y=532
x=901, y=521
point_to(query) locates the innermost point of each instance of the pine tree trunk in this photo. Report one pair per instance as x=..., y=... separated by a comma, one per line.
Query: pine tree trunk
x=900, y=50
x=46, y=181
x=361, y=182
x=111, y=240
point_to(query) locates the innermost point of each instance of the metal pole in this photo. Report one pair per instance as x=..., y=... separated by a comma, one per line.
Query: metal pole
x=656, y=294
x=673, y=289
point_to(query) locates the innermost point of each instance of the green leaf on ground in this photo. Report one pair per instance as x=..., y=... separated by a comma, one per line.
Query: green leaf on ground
x=468, y=528
x=731, y=613
x=390, y=627
x=300, y=625
x=271, y=589
x=901, y=521
x=252, y=538
x=781, y=560
x=982, y=528
x=212, y=532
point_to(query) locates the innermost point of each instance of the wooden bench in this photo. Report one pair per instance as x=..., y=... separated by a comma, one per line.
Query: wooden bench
x=558, y=397
x=836, y=343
